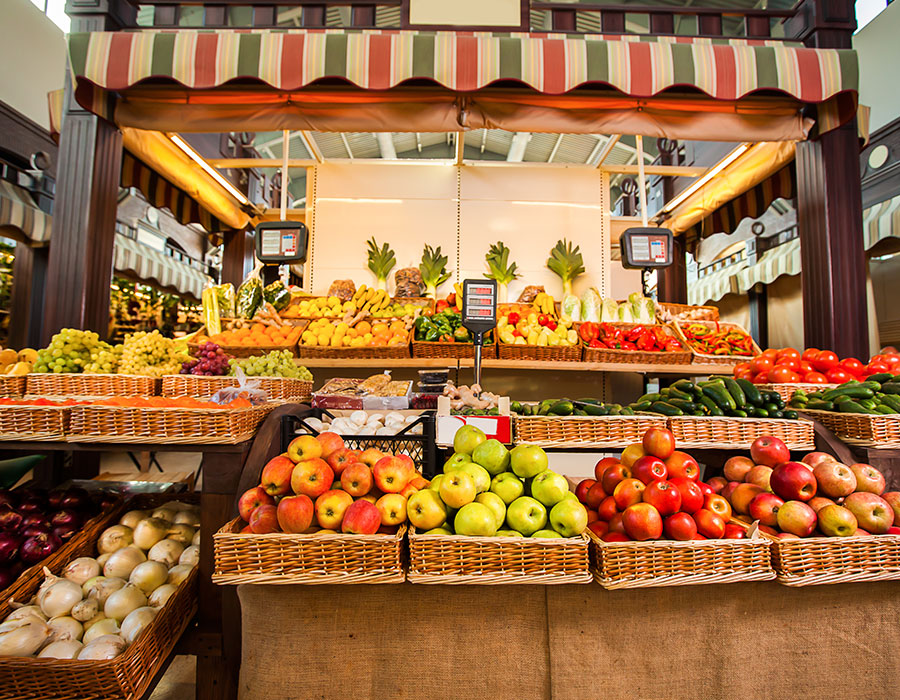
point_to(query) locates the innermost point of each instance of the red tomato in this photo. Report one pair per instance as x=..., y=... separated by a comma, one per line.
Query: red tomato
x=851, y=365
x=741, y=366
x=762, y=363
x=760, y=378
x=825, y=360
x=782, y=375
x=876, y=368
x=771, y=352
x=743, y=373
x=809, y=354
x=806, y=367
x=814, y=378
x=838, y=375
x=788, y=353
x=892, y=359
x=792, y=363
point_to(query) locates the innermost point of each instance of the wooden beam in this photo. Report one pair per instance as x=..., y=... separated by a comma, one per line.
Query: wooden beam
x=245, y=163
x=673, y=170
x=460, y=147
x=311, y=146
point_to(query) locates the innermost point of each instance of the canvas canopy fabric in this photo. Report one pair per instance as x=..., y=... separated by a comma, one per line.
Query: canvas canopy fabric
x=284, y=79
x=716, y=284
x=775, y=262
x=152, y=265
x=881, y=221
x=19, y=211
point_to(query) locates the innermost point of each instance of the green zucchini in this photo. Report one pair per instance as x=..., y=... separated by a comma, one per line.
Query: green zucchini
x=678, y=394
x=857, y=391
x=853, y=407
x=791, y=415
x=884, y=410
x=642, y=405
x=649, y=397
x=719, y=394
x=750, y=391
x=820, y=405
x=686, y=406
x=891, y=400
x=880, y=378
x=760, y=413
x=892, y=387
x=740, y=399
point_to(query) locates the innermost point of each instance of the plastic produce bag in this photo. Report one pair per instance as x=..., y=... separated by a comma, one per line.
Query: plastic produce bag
x=211, y=314
x=249, y=295
x=591, y=306
x=246, y=389
x=277, y=295
x=571, y=307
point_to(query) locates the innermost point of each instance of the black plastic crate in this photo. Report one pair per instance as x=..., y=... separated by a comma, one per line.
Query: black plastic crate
x=420, y=448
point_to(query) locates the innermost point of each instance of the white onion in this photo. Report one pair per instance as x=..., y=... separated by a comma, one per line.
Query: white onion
x=105, y=588
x=122, y=562
x=94, y=620
x=135, y=623
x=81, y=569
x=394, y=417
x=359, y=417
x=196, y=540
x=103, y=558
x=386, y=431
x=65, y=628
x=181, y=506
x=26, y=611
x=161, y=595
x=187, y=517
x=102, y=627
x=181, y=533
x=61, y=650
x=108, y=646
x=124, y=601
x=179, y=573
x=23, y=637
x=166, y=551
x=90, y=583
x=132, y=518
x=114, y=538
x=149, y=575
x=86, y=610
x=190, y=556
x=315, y=424
x=59, y=598
x=165, y=513
x=150, y=531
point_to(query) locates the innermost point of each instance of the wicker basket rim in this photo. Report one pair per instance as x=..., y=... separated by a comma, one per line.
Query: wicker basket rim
x=684, y=544
x=29, y=407
x=225, y=531
x=203, y=411
x=640, y=415
x=89, y=374
x=519, y=541
x=742, y=420
x=250, y=377
x=792, y=543
x=886, y=416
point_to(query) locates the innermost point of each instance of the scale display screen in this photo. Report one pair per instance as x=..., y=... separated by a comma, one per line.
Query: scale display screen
x=646, y=247
x=479, y=308
x=281, y=241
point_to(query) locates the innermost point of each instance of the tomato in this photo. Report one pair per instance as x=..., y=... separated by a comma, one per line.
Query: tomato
x=782, y=375
x=743, y=373
x=788, y=353
x=892, y=359
x=814, y=378
x=876, y=368
x=851, y=365
x=792, y=363
x=772, y=353
x=838, y=375
x=825, y=360
x=809, y=354
x=762, y=363
x=760, y=378
x=741, y=366
x=806, y=367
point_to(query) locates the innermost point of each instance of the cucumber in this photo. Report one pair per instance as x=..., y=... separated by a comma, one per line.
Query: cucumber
x=740, y=399
x=666, y=409
x=562, y=408
x=880, y=378
x=678, y=394
x=711, y=407
x=868, y=403
x=750, y=391
x=596, y=402
x=588, y=408
x=579, y=412
x=719, y=394
x=686, y=406
x=770, y=396
x=884, y=410
x=760, y=413
x=770, y=406
x=853, y=407
x=892, y=387
x=891, y=400
x=615, y=410
x=820, y=405
x=649, y=397
x=738, y=413
x=857, y=391
x=642, y=405
x=791, y=415
x=776, y=414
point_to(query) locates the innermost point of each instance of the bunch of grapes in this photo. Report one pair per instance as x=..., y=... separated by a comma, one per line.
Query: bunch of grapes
x=278, y=363
x=150, y=354
x=69, y=351
x=209, y=360
x=104, y=360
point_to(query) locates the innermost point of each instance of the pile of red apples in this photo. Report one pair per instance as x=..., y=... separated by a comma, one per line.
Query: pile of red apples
x=815, y=497
x=319, y=485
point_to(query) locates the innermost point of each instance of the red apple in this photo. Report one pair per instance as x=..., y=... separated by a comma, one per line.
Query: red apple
x=797, y=518
x=601, y=466
x=705, y=488
x=649, y=469
x=607, y=509
x=599, y=527
x=819, y=502
x=370, y=456
x=592, y=516
x=787, y=536
x=295, y=513
x=658, y=442
x=252, y=499
x=409, y=464
x=664, y=496
x=764, y=508
x=357, y=480
x=834, y=479
x=768, y=530
x=642, y=522
x=861, y=533
x=392, y=507
x=264, y=520
x=743, y=494
x=737, y=468
x=361, y=518
x=691, y=493
x=390, y=474
x=331, y=506
x=793, y=481
x=769, y=451
x=893, y=499
x=698, y=536
x=709, y=524
x=303, y=448
x=682, y=464
x=837, y=521
x=868, y=478
x=632, y=454
x=680, y=526
x=615, y=524
x=814, y=459
x=595, y=496
x=582, y=489
x=734, y=532
x=760, y=476
x=615, y=537
x=312, y=477
x=718, y=505
x=717, y=483
x=341, y=459
x=628, y=493
x=872, y=512
x=893, y=530
x=612, y=475
x=729, y=489
x=330, y=442
x=276, y=475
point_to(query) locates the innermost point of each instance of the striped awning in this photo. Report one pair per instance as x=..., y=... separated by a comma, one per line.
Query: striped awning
x=775, y=262
x=881, y=221
x=111, y=69
x=716, y=284
x=151, y=265
x=18, y=210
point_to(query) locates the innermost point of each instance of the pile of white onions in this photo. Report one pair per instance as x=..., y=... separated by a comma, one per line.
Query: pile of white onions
x=98, y=607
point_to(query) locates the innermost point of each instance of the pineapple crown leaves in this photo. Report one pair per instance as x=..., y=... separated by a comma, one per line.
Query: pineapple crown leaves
x=565, y=260
x=433, y=266
x=381, y=260
x=498, y=263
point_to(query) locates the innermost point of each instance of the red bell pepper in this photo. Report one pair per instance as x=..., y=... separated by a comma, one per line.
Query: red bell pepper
x=513, y=318
x=589, y=331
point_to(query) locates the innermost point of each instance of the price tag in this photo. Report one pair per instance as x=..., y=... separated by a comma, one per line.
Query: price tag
x=646, y=247
x=281, y=241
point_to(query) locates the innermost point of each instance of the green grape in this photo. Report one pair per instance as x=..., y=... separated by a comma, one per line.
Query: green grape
x=278, y=363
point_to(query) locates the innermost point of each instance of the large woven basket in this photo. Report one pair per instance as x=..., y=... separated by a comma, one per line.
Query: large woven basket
x=127, y=677
x=700, y=432
x=638, y=357
x=277, y=388
x=814, y=561
x=671, y=563
x=250, y=350
x=460, y=559
x=707, y=359
x=316, y=558
x=540, y=353
x=12, y=386
x=786, y=391
x=193, y=426
x=90, y=385
x=861, y=428
x=44, y=423
x=451, y=351
x=705, y=313
x=585, y=431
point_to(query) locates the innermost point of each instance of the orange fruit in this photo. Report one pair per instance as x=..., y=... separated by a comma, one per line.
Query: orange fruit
x=363, y=327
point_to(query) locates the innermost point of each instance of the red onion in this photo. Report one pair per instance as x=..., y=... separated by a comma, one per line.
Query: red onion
x=64, y=532
x=39, y=547
x=7, y=498
x=76, y=498
x=33, y=530
x=7, y=577
x=10, y=520
x=32, y=505
x=66, y=517
x=55, y=498
x=35, y=519
x=108, y=500
x=32, y=492
x=9, y=547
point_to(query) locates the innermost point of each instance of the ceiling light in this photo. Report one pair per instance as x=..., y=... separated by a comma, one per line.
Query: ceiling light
x=211, y=171
x=709, y=175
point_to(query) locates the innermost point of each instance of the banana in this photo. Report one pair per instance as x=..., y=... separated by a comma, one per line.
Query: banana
x=549, y=304
x=359, y=293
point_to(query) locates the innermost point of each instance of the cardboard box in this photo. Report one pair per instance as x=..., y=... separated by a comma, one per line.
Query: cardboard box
x=495, y=427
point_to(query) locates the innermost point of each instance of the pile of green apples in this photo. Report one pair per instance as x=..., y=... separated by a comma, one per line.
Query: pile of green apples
x=488, y=490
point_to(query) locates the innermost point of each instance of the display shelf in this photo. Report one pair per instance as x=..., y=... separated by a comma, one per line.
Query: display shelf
x=414, y=363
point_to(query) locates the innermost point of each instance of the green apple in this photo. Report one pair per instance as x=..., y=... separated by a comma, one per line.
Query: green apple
x=508, y=533
x=467, y=439
x=571, y=496
x=549, y=488
x=479, y=475
x=457, y=489
x=508, y=486
x=528, y=460
x=568, y=517
x=526, y=515
x=438, y=531
x=426, y=510
x=547, y=533
x=435, y=484
x=495, y=503
x=455, y=462
x=476, y=519
x=493, y=456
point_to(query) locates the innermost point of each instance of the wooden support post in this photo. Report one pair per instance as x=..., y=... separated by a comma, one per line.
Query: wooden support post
x=237, y=256
x=758, y=298
x=27, y=300
x=671, y=282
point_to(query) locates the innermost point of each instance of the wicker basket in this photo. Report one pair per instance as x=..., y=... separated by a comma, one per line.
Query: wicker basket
x=660, y=563
x=250, y=350
x=192, y=426
x=277, y=388
x=309, y=559
x=127, y=677
x=45, y=423
x=638, y=357
x=861, y=428
x=12, y=386
x=706, y=359
x=540, y=353
x=707, y=313
x=584, y=431
x=426, y=303
x=90, y=385
x=814, y=561
x=451, y=351
x=699, y=432
x=460, y=559
x=381, y=352
x=786, y=391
